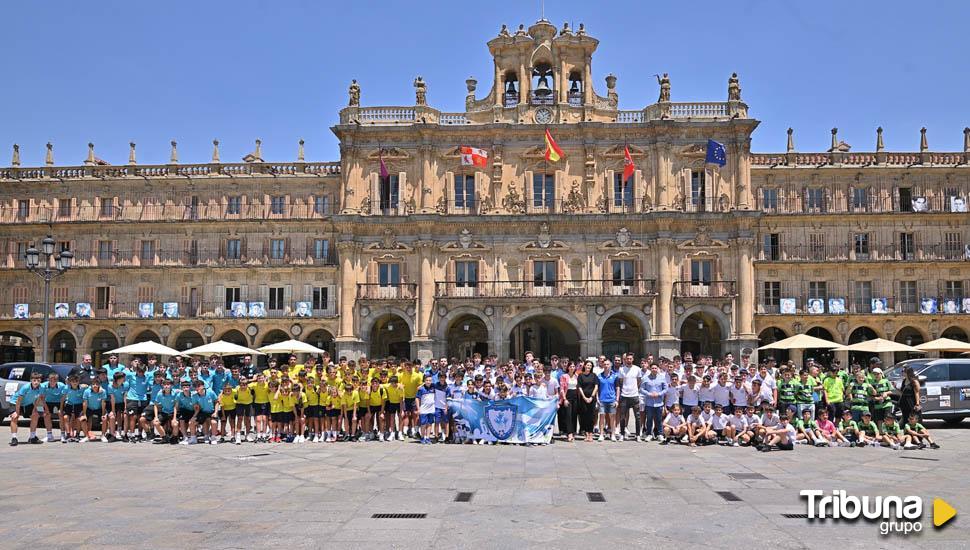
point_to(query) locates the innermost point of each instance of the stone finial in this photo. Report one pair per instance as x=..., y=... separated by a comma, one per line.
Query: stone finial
x=300, y=157
x=504, y=30
x=966, y=140
x=259, y=150
x=835, y=139
x=215, y=151
x=420, y=91
x=923, y=144
x=521, y=31
x=131, y=153
x=173, y=158
x=565, y=29
x=49, y=157
x=582, y=30
x=15, y=161
x=880, y=146
x=611, y=81
x=791, y=141
x=471, y=84
x=734, y=88
x=91, y=160
x=354, y=92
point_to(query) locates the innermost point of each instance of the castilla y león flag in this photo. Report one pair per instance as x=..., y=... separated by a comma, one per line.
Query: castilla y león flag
x=553, y=152
x=472, y=156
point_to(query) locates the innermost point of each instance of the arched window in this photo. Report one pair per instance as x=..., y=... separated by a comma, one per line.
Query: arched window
x=575, y=96
x=543, y=85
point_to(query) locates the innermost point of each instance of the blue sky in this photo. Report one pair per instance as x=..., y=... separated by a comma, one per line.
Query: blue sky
x=118, y=71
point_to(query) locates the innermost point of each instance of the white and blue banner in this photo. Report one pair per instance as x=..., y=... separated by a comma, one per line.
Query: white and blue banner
x=516, y=420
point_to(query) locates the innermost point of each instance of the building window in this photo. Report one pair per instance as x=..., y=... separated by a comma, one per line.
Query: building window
x=321, y=298
x=816, y=246
x=770, y=199
x=105, y=251
x=907, y=246
x=465, y=191
x=389, y=193
x=147, y=252
x=860, y=198
x=953, y=290
x=275, y=298
x=107, y=206
x=233, y=249
x=389, y=274
x=23, y=208
x=816, y=199
x=60, y=293
x=321, y=205
x=863, y=296
x=700, y=272
x=905, y=199
x=624, y=273
x=818, y=290
x=102, y=298
x=192, y=211
x=952, y=246
x=466, y=273
x=232, y=295
x=907, y=297
x=64, y=208
x=544, y=273
x=622, y=191
x=277, y=205
x=543, y=190
x=861, y=246
x=772, y=247
x=233, y=205
x=321, y=249
x=772, y=295
x=698, y=190
x=277, y=249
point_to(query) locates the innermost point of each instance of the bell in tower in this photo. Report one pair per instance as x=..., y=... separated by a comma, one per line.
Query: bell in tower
x=510, y=88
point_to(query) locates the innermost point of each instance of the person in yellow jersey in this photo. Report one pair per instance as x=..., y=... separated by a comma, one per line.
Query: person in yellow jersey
x=392, y=409
x=362, y=421
x=243, y=395
x=226, y=411
x=411, y=378
x=335, y=407
x=275, y=410
x=333, y=378
x=311, y=393
x=297, y=401
x=292, y=367
x=261, y=408
x=378, y=397
x=350, y=400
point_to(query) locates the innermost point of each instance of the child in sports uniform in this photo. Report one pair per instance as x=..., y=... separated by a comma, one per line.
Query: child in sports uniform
x=72, y=405
x=205, y=406
x=185, y=410
x=116, y=415
x=311, y=393
x=227, y=414
x=27, y=401
x=426, y=408
x=698, y=429
x=752, y=426
x=243, y=394
x=93, y=409
x=394, y=420
x=782, y=435
x=261, y=407
x=377, y=396
x=163, y=405
x=807, y=430
x=868, y=430
x=916, y=434
x=275, y=411
x=736, y=426
x=718, y=420
x=891, y=433
x=674, y=426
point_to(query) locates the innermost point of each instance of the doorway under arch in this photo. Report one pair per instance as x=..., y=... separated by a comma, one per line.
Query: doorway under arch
x=235, y=337
x=63, y=347
x=544, y=336
x=861, y=334
x=622, y=333
x=466, y=336
x=146, y=336
x=102, y=342
x=701, y=333
x=15, y=346
x=771, y=335
x=820, y=355
x=390, y=336
x=188, y=339
x=322, y=339
x=911, y=337
x=274, y=336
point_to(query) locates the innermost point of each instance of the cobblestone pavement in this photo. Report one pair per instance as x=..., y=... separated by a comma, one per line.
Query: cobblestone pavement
x=102, y=495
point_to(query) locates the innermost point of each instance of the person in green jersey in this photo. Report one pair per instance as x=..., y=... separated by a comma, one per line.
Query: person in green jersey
x=807, y=430
x=833, y=391
x=859, y=394
x=868, y=431
x=882, y=402
x=850, y=429
x=892, y=434
x=915, y=435
x=786, y=392
x=804, y=398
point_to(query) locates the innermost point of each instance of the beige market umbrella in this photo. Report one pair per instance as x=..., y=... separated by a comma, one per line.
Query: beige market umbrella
x=150, y=348
x=294, y=346
x=222, y=349
x=879, y=345
x=944, y=344
x=801, y=341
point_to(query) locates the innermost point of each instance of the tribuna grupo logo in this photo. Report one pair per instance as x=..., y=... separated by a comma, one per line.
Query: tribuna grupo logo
x=895, y=514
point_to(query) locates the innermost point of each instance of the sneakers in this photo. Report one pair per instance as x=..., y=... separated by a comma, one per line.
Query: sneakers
x=909, y=446
x=184, y=442
x=13, y=441
x=735, y=444
x=664, y=442
x=934, y=446
x=34, y=440
x=50, y=437
x=251, y=437
x=380, y=436
x=104, y=439
x=600, y=438
x=238, y=439
x=648, y=439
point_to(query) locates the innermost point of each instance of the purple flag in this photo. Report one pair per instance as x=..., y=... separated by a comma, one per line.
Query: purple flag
x=384, y=172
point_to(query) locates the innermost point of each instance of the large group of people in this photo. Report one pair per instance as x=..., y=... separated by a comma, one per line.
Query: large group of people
x=679, y=400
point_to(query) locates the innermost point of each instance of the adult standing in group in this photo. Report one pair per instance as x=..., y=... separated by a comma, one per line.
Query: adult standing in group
x=568, y=401
x=608, y=381
x=652, y=389
x=909, y=398
x=587, y=386
x=630, y=375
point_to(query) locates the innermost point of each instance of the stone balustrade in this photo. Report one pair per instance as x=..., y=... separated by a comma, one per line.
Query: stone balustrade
x=166, y=170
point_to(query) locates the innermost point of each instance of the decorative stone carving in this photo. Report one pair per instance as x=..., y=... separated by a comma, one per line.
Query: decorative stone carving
x=664, y=82
x=410, y=206
x=679, y=309
x=489, y=310
x=734, y=88
x=420, y=91
x=442, y=206
x=354, y=92
x=442, y=311
x=600, y=309
x=545, y=238
x=513, y=201
x=388, y=241
x=575, y=200
x=296, y=329
x=366, y=204
x=364, y=311
x=623, y=237
x=465, y=238
x=646, y=204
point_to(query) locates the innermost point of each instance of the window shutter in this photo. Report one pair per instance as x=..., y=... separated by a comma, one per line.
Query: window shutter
x=874, y=205
x=607, y=276
x=481, y=272
x=528, y=276
x=480, y=191
x=685, y=269
x=562, y=276
x=610, y=189
x=559, y=183
x=286, y=249
x=638, y=192
x=266, y=240
x=222, y=250
x=263, y=294
x=404, y=271
x=401, y=186
x=449, y=190
x=288, y=298
x=372, y=272
x=450, y=269
x=375, y=193
x=243, y=247
x=527, y=192
x=218, y=301
x=638, y=275
x=331, y=297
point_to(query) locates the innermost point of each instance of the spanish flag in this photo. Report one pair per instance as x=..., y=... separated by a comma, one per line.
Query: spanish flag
x=553, y=152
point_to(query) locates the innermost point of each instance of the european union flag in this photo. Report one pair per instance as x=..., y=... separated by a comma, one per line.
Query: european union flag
x=715, y=153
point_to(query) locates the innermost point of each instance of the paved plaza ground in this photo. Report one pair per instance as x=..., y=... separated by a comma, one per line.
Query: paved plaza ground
x=98, y=495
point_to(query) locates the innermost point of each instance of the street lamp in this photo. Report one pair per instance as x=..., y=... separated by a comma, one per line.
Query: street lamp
x=62, y=263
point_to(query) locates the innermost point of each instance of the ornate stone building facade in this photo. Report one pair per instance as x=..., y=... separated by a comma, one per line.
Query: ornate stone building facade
x=401, y=249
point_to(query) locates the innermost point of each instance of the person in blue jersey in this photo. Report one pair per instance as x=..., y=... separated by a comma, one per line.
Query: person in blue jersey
x=28, y=402
x=157, y=376
x=185, y=412
x=425, y=398
x=71, y=407
x=93, y=410
x=113, y=366
x=608, y=381
x=441, y=393
x=116, y=410
x=53, y=391
x=205, y=407
x=163, y=413
x=136, y=400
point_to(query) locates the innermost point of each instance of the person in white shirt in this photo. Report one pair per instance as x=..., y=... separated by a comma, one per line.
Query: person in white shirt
x=630, y=376
x=674, y=426
x=739, y=394
x=736, y=426
x=706, y=392
x=690, y=393
x=783, y=436
x=752, y=426
x=722, y=391
x=699, y=428
x=719, y=422
x=672, y=395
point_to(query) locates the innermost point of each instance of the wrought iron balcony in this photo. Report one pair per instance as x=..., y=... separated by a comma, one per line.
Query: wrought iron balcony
x=525, y=289
x=705, y=289
x=387, y=292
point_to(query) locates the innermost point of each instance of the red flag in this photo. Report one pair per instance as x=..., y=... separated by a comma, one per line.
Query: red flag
x=628, y=166
x=553, y=152
x=472, y=156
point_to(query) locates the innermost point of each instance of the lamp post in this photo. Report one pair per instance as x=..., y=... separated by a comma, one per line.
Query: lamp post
x=62, y=263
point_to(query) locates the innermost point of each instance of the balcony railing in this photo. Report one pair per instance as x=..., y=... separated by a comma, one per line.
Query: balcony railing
x=863, y=305
x=186, y=310
x=165, y=170
x=880, y=203
x=212, y=211
x=874, y=253
x=378, y=291
x=702, y=290
x=579, y=288
x=87, y=258
x=859, y=159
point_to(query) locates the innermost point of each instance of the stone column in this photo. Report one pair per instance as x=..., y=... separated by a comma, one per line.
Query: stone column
x=743, y=175
x=746, y=291
x=499, y=85
x=665, y=288
x=426, y=152
x=348, y=290
x=662, y=176
x=425, y=289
